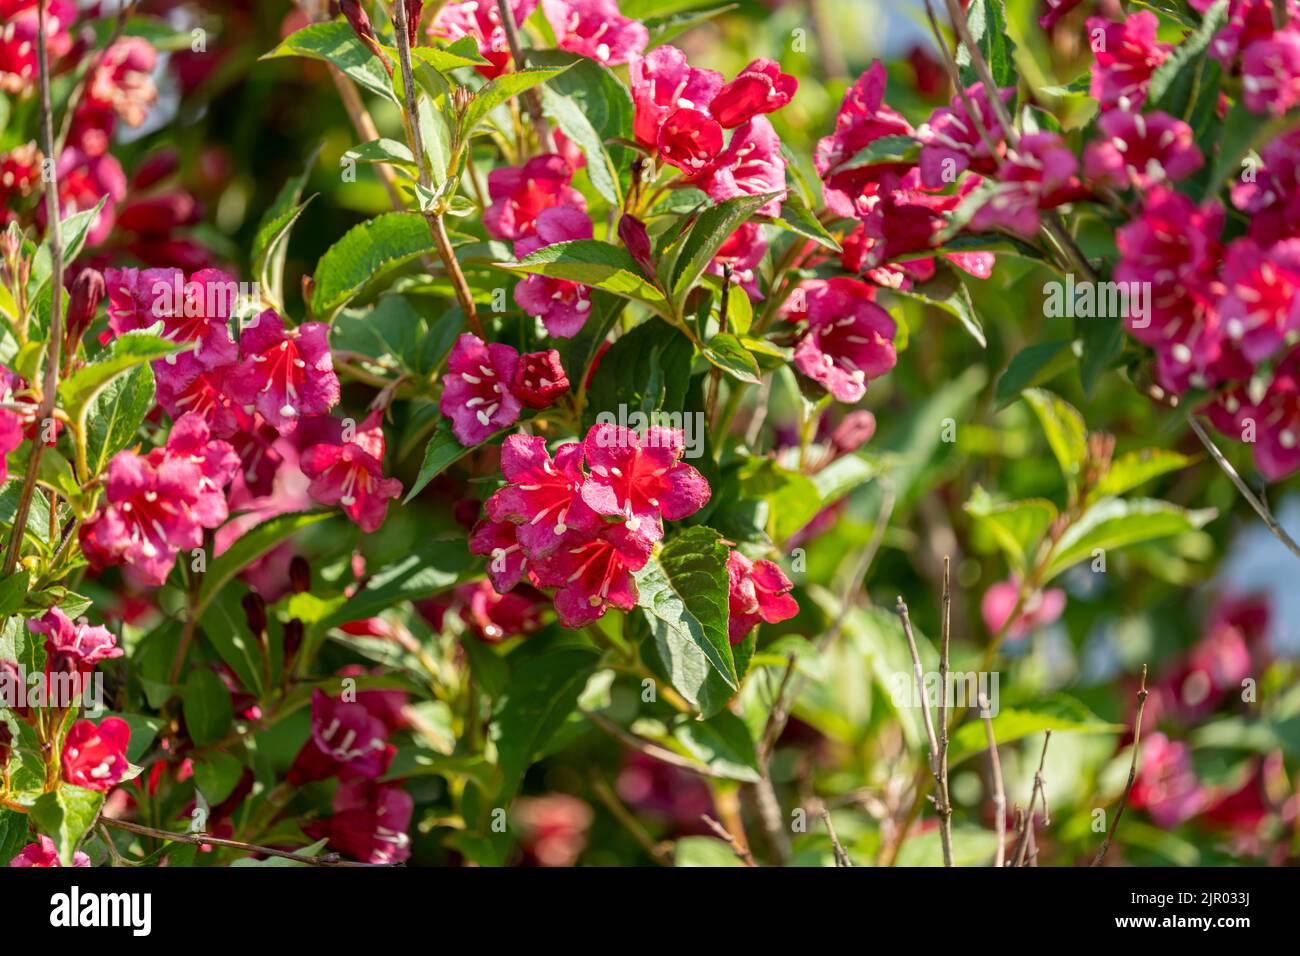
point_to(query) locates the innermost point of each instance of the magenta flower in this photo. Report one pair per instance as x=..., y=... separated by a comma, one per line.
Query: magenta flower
x=370, y=823
x=495, y=617
x=1261, y=304
x=641, y=480
x=756, y=591
x=849, y=340
x=562, y=306
x=481, y=19
x=286, y=374
x=593, y=573
x=1141, y=151
x=11, y=436
x=520, y=193
x=542, y=495
x=95, y=757
x=83, y=181
x=499, y=542
x=742, y=253
x=346, y=740
x=951, y=142
x=1271, y=198
x=1039, y=609
x=751, y=165
x=539, y=379
x=1166, y=785
x=350, y=475
x=190, y=441
x=1125, y=56
x=45, y=854
x=21, y=35
x=73, y=646
x=1248, y=21
x=596, y=29
x=690, y=140
x=862, y=119
x=760, y=87
x=1270, y=73
x=662, y=83
x=121, y=86
x=1275, y=420
x=1038, y=174
x=476, y=392
x=205, y=396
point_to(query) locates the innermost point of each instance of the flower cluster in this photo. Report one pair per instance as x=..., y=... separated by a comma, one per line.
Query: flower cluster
x=486, y=386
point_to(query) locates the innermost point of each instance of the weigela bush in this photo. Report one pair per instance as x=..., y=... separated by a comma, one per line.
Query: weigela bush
x=535, y=521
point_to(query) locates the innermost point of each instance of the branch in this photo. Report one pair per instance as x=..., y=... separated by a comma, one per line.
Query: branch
x=1260, y=507
x=202, y=839
x=999, y=794
x=738, y=848
x=945, y=801
x=648, y=747
x=532, y=102
x=940, y=781
x=1132, y=771
x=841, y=857
x=1027, y=834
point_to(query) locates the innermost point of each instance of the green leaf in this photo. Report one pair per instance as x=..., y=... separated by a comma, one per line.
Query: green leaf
x=593, y=263
x=250, y=546
x=442, y=60
x=1032, y=366
x=13, y=590
x=205, y=702
x=443, y=451
x=498, y=91
x=335, y=43
x=366, y=252
x=987, y=21
x=1174, y=82
x=1017, y=526
x=65, y=815
x=1058, y=713
x=437, y=567
x=272, y=238
x=683, y=592
x=38, y=517
x=947, y=290
x=799, y=219
x=662, y=29
x=1136, y=468
x=542, y=692
x=1066, y=433
x=1243, y=133
x=740, y=311
x=115, y=415
x=711, y=229
x=726, y=352
x=647, y=370
x=723, y=742
x=382, y=151
x=72, y=231
x=1113, y=523
x=886, y=149
x=124, y=353
x=13, y=833
x=216, y=774
x=565, y=113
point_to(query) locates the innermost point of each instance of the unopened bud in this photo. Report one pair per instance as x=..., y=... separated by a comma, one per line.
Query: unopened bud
x=255, y=612
x=633, y=233
x=360, y=24
x=854, y=431
x=88, y=291
x=413, y=10
x=293, y=632
x=299, y=575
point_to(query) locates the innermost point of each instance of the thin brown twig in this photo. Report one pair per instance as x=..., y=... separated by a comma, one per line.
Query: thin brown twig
x=532, y=102
x=1026, y=835
x=202, y=839
x=1132, y=771
x=999, y=793
x=941, y=785
x=738, y=848
x=945, y=801
x=841, y=857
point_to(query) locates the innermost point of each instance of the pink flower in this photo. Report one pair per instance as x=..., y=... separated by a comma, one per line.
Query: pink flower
x=1261, y=304
x=1039, y=609
x=121, y=85
x=554, y=828
x=1125, y=56
x=370, y=822
x=595, y=28
x=539, y=379
x=751, y=165
x=542, y=495
x=73, y=647
x=862, y=119
x=756, y=591
x=593, y=573
x=849, y=340
x=1166, y=785
x=951, y=142
x=350, y=474
x=45, y=854
x=476, y=392
x=641, y=480
x=20, y=37
x=662, y=83
x=345, y=739
x=1271, y=198
x=499, y=542
x=286, y=374
x=1038, y=174
x=95, y=757
x=1141, y=151
x=1270, y=73
x=11, y=436
x=83, y=181
x=742, y=252
x=520, y=193
x=1248, y=21
x=1275, y=420
x=481, y=19
x=690, y=140
x=205, y=396
x=760, y=87
x=562, y=306
x=494, y=617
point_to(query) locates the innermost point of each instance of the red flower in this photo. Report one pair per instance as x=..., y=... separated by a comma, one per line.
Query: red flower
x=1038, y=174
x=1270, y=73
x=20, y=36
x=520, y=193
x=286, y=374
x=45, y=854
x=662, y=83
x=350, y=474
x=346, y=738
x=596, y=29
x=1275, y=419
x=481, y=19
x=1141, y=151
x=756, y=591
x=849, y=340
x=499, y=541
x=95, y=757
x=592, y=574
x=539, y=379
x=542, y=495
x=690, y=140
x=751, y=165
x=760, y=87
x=370, y=822
x=476, y=392
x=11, y=436
x=1126, y=54
x=73, y=647
x=494, y=617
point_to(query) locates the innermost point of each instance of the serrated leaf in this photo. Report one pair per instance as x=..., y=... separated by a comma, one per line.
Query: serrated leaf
x=123, y=354
x=593, y=263
x=205, y=702
x=216, y=774
x=1059, y=714
x=799, y=219
x=726, y=352
x=1136, y=468
x=1111, y=523
x=723, y=743
x=1174, y=82
x=711, y=229
x=1017, y=526
x=1067, y=435
x=443, y=451
x=335, y=43
x=272, y=237
x=434, y=568
x=987, y=21
x=498, y=91
x=947, y=290
x=366, y=252
x=886, y=149
x=1032, y=366
x=65, y=815
x=115, y=416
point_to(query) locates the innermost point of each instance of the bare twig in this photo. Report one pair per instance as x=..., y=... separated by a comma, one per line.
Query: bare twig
x=202, y=839
x=1261, y=508
x=945, y=801
x=659, y=852
x=999, y=793
x=1132, y=771
x=722, y=833
x=841, y=857
x=1026, y=835
x=532, y=102
x=941, y=784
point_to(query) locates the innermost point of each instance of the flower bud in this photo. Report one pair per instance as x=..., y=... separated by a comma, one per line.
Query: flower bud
x=413, y=10
x=255, y=612
x=6, y=742
x=293, y=633
x=854, y=431
x=360, y=23
x=88, y=291
x=299, y=575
